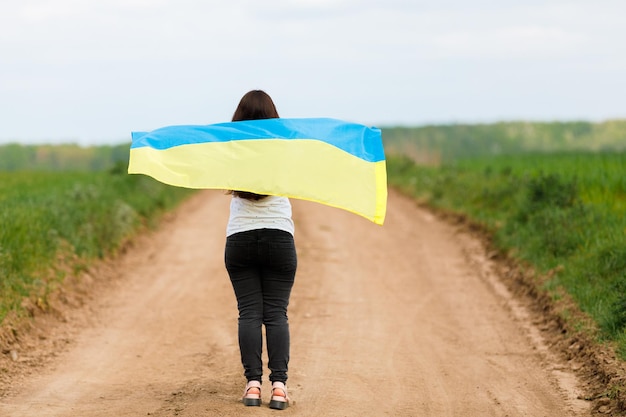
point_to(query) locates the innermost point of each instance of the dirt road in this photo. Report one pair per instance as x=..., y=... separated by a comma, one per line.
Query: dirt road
x=400, y=320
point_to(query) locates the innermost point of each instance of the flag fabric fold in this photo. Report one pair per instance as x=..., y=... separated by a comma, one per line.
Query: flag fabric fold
x=328, y=161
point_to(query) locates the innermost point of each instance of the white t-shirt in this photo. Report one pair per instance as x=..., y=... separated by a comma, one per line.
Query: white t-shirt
x=271, y=212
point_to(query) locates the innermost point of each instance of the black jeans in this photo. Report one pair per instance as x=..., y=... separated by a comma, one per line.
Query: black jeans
x=262, y=267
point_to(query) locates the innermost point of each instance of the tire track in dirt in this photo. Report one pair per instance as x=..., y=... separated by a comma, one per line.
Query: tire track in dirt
x=402, y=320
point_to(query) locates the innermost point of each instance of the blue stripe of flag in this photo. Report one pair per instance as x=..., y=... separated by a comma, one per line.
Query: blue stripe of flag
x=359, y=140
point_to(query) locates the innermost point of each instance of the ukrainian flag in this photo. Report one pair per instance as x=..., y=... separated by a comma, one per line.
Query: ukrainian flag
x=328, y=161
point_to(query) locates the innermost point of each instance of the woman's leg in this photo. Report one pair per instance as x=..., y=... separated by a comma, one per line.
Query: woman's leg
x=278, y=277
x=246, y=280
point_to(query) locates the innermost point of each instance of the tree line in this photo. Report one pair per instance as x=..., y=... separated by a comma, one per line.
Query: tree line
x=445, y=143
x=64, y=157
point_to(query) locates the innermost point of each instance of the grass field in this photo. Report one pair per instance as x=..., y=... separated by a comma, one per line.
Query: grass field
x=560, y=212
x=48, y=217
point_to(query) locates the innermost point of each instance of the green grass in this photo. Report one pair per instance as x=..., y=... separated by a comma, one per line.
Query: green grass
x=46, y=217
x=563, y=212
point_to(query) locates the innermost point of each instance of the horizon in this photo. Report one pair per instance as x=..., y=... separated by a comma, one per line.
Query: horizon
x=71, y=142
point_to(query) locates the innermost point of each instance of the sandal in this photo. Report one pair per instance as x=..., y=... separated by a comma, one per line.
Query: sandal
x=280, y=399
x=252, y=394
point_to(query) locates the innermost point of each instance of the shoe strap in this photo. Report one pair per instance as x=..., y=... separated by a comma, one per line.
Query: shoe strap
x=279, y=386
x=253, y=384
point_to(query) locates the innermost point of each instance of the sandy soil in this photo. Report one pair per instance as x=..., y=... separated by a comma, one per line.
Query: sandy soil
x=407, y=319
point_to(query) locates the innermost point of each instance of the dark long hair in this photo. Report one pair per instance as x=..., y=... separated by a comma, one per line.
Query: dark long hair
x=254, y=105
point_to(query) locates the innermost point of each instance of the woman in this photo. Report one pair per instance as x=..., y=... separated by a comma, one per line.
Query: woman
x=260, y=258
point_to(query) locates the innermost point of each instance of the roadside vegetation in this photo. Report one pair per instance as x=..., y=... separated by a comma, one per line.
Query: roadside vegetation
x=551, y=197
x=561, y=212
x=55, y=223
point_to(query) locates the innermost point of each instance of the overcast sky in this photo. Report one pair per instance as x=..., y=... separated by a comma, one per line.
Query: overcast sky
x=90, y=72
